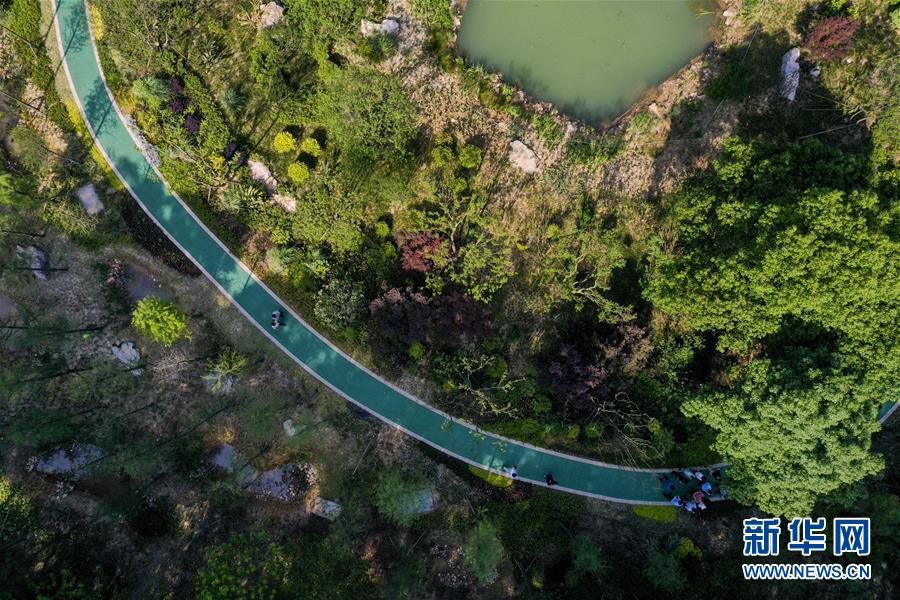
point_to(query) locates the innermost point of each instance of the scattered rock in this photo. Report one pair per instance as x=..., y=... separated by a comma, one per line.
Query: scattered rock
x=128, y=354
x=654, y=108
x=288, y=203
x=151, y=151
x=386, y=27
x=37, y=258
x=261, y=173
x=815, y=72
x=87, y=195
x=64, y=460
x=289, y=428
x=289, y=482
x=522, y=157
x=270, y=14
x=327, y=509
x=790, y=74
x=729, y=14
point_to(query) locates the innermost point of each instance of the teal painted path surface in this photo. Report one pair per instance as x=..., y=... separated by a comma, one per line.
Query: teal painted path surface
x=310, y=350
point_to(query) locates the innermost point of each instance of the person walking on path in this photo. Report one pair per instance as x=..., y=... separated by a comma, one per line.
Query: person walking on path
x=667, y=484
x=511, y=471
x=550, y=479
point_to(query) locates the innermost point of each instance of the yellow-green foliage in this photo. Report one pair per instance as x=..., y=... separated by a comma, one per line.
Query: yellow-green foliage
x=160, y=320
x=492, y=478
x=284, y=143
x=98, y=27
x=311, y=146
x=687, y=547
x=298, y=172
x=664, y=514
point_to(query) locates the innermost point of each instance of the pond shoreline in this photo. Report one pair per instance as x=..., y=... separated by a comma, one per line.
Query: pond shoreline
x=718, y=34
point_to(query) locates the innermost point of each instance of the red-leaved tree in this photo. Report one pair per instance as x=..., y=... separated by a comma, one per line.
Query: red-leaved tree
x=418, y=250
x=831, y=38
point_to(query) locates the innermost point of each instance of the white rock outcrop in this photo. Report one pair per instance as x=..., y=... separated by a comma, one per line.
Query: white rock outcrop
x=523, y=157
x=386, y=27
x=288, y=203
x=270, y=14
x=261, y=173
x=790, y=74
x=128, y=354
x=87, y=196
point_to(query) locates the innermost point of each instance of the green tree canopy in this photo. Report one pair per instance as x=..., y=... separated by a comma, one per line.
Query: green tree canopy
x=794, y=429
x=395, y=498
x=160, y=320
x=483, y=552
x=777, y=232
x=365, y=112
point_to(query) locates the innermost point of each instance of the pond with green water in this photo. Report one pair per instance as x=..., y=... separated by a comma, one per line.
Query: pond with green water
x=591, y=58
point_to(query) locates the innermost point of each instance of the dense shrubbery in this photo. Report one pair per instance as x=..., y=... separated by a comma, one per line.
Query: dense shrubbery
x=788, y=251
x=160, y=320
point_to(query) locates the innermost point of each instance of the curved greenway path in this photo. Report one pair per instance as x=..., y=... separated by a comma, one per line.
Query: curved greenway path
x=307, y=347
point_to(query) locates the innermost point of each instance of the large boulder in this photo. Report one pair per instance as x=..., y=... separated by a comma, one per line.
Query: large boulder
x=790, y=74
x=261, y=173
x=386, y=27
x=36, y=258
x=128, y=354
x=327, y=509
x=523, y=157
x=270, y=14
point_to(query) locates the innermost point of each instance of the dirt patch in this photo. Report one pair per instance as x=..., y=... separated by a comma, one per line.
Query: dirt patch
x=142, y=282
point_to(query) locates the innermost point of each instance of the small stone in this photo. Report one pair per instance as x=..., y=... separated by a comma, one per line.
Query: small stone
x=289, y=428
x=654, y=108
x=815, y=72
x=87, y=195
x=522, y=157
x=728, y=14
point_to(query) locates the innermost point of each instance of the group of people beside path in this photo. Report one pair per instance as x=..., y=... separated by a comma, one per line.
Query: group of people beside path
x=699, y=488
x=513, y=472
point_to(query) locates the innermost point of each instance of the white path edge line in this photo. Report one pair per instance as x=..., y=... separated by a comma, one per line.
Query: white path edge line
x=474, y=428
